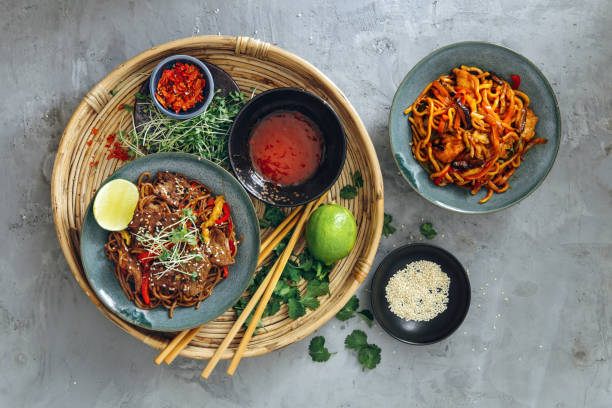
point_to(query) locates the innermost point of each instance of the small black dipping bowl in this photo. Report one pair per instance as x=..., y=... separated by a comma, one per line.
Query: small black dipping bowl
x=317, y=110
x=439, y=327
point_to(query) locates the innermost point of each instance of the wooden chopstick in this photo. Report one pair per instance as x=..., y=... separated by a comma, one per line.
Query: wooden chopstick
x=181, y=345
x=181, y=340
x=231, y=369
x=266, y=242
x=238, y=323
x=263, y=254
x=160, y=357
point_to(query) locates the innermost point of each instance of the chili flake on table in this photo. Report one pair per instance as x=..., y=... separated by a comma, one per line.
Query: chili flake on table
x=181, y=87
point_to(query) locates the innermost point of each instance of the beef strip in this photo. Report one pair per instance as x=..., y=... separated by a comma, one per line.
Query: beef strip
x=172, y=188
x=150, y=222
x=218, y=248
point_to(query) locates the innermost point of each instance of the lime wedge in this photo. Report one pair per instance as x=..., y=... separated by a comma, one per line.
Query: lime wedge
x=115, y=203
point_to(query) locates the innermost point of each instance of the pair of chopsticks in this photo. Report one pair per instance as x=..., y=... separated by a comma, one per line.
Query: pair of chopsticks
x=261, y=295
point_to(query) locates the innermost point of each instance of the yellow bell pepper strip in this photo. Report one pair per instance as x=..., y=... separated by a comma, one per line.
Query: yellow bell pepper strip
x=214, y=215
x=126, y=237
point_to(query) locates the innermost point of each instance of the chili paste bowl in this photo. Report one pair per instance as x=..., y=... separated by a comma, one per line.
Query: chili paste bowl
x=320, y=114
x=504, y=62
x=99, y=269
x=208, y=91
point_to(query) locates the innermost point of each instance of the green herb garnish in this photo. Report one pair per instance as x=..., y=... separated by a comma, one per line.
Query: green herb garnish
x=356, y=340
x=427, y=230
x=367, y=317
x=368, y=354
x=272, y=217
x=349, y=309
x=348, y=192
x=357, y=179
x=204, y=135
x=388, y=229
x=317, y=350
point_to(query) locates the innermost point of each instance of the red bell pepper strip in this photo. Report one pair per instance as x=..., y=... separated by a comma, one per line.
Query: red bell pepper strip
x=225, y=269
x=516, y=81
x=145, y=289
x=210, y=202
x=232, y=246
x=225, y=216
x=146, y=257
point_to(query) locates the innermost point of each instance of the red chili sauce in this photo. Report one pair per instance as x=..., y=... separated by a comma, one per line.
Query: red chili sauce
x=286, y=148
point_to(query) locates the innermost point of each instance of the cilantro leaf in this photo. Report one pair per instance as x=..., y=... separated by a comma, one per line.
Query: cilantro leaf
x=272, y=217
x=388, y=229
x=369, y=356
x=357, y=179
x=317, y=350
x=272, y=307
x=348, y=192
x=367, y=316
x=296, y=308
x=292, y=272
x=316, y=288
x=141, y=96
x=113, y=92
x=356, y=340
x=306, y=260
x=348, y=310
x=128, y=108
x=310, y=302
x=427, y=230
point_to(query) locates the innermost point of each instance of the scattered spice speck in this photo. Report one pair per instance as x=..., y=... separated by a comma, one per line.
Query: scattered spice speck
x=94, y=131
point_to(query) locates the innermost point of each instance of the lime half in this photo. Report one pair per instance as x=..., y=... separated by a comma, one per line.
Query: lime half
x=115, y=203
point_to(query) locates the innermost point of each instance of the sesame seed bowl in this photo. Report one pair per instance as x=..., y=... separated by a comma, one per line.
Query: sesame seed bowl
x=411, y=331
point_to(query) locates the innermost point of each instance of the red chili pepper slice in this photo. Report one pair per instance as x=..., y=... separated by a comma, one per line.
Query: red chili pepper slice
x=225, y=216
x=516, y=81
x=225, y=271
x=145, y=289
x=210, y=202
x=232, y=247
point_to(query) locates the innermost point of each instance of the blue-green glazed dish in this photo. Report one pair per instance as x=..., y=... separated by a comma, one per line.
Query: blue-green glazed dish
x=99, y=270
x=504, y=62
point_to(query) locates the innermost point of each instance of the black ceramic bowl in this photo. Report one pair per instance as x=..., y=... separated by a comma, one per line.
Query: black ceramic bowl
x=209, y=87
x=307, y=104
x=445, y=323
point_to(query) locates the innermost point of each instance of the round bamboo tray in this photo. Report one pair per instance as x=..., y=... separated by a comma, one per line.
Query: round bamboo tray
x=81, y=165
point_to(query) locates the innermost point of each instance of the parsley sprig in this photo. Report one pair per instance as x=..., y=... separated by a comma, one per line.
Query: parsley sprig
x=302, y=268
x=368, y=354
x=350, y=191
x=317, y=350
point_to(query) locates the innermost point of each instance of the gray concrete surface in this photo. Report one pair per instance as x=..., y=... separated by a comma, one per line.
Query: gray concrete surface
x=548, y=345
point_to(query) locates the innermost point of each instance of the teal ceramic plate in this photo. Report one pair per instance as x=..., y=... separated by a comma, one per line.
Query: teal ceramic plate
x=99, y=270
x=504, y=62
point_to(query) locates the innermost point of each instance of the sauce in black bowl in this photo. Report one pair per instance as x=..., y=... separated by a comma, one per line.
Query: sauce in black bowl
x=277, y=133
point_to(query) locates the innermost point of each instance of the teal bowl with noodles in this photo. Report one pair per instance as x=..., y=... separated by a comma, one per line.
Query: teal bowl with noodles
x=537, y=162
x=99, y=269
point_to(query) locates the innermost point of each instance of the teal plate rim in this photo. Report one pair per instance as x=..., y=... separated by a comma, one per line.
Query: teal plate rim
x=403, y=171
x=106, y=287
